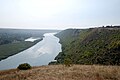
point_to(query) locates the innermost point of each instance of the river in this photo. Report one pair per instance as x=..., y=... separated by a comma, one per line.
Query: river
x=40, y=54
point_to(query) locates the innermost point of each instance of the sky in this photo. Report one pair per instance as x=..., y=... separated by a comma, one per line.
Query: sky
x=58, y=14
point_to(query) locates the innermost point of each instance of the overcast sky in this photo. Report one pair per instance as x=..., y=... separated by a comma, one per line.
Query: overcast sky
x=58, y=14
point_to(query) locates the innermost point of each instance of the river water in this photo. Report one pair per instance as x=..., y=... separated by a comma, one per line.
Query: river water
x=40, y=54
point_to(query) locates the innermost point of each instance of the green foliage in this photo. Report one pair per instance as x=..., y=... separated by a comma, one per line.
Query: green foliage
x=67, y=62
x=91, y=46
x=24, y=66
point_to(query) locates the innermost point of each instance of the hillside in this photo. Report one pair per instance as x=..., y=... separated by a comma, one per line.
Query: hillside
x=90, y=46
x=60, y=72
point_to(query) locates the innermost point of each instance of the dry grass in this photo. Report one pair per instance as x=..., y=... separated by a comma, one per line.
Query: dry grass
x=60, y=72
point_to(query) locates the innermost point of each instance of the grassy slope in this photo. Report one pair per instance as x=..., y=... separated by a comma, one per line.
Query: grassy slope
x=90, y=46
x=60, y=72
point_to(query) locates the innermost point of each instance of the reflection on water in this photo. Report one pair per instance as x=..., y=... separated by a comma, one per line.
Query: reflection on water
x=31, y=39
x=40, y=54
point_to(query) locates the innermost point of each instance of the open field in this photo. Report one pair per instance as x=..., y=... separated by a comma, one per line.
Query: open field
x=60, y=72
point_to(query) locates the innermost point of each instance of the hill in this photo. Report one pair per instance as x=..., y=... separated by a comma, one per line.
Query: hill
x=60, y=72
x=90, y=46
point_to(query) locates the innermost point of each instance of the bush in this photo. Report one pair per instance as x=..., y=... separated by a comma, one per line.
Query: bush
x=67, y=62
x=24, y=66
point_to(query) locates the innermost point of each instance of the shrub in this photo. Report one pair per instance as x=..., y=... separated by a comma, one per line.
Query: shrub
x=24, y=66
x=68, y=62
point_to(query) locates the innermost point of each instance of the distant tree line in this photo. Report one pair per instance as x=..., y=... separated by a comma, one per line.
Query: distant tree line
x=111, y=26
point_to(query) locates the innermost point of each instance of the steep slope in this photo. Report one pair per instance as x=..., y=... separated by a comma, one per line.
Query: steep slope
x=90, y=46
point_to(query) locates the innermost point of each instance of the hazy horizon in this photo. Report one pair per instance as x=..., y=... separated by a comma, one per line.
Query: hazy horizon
x=58, y=14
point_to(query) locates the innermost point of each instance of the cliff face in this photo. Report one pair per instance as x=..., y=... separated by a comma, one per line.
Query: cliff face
x=90, y=46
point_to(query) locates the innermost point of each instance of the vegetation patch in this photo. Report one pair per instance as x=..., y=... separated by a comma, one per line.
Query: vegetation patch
x=90, y=46
x=67, y=62
x=24, y=66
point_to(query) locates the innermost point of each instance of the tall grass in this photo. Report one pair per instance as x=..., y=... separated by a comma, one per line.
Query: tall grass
x=60, y=72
